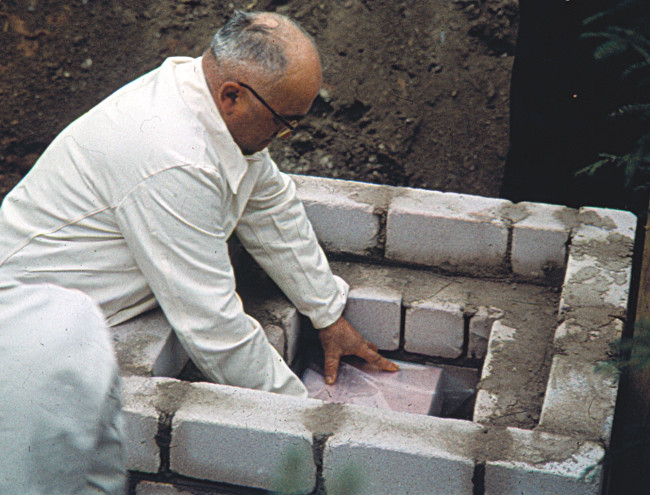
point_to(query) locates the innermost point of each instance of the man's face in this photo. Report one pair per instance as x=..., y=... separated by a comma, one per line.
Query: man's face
x=255, y=111
x=262, y=118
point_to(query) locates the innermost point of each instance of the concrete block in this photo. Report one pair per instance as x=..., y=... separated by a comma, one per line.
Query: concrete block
x=376, y=312
x=599, y=267
x=491, y=400
x=290, y=322
x=480, y=327
x=587, y=336
x=448, y=230
x=153, y=488
x=486, y=407
x=147, y=345
x=281, y=323
x=434, y=328
x=580, y=399
x=540, y=234
x=276, y=337
x=499, y=335
x=602, y=223
x=343, y=212
x=541, y=463
x=384, y=454
x=140, y=424
x=242, y=437
x=589, y=282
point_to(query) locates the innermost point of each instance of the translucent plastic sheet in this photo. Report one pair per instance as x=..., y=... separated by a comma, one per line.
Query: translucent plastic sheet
x=416, y=388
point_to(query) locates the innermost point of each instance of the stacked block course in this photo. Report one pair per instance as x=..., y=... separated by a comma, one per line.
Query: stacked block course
x=440, y=276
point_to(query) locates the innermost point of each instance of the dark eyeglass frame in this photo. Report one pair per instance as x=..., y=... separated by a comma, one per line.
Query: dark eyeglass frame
x=289, y=126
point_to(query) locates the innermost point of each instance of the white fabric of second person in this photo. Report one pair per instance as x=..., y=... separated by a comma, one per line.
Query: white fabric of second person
x=133, y=204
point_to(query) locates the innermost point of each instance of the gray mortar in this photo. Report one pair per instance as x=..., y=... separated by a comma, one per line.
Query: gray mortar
x=170, y=395
x=326, y=419
x=615, y=251
x=515, y=213
x=500, y=444
x=568, y=217
x=592, y=218
x=589, y=338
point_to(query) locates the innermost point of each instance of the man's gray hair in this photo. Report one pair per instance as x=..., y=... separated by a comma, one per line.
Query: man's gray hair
x=243, y=41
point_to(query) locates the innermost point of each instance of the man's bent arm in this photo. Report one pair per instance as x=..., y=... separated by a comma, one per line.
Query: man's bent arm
x=173, y=225
x=275, y=230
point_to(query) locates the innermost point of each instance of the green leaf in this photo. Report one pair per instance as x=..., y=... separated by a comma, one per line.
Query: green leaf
x=636, y=109
x=630, y=171
x=591, y=169
x=629, y=71
x=609, y=49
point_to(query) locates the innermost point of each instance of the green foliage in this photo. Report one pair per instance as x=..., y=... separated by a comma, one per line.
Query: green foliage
x=631, y=354
x=294, y=468
x=628, y=46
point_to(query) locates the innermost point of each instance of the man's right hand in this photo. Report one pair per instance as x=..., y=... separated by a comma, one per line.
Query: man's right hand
x=341, y=339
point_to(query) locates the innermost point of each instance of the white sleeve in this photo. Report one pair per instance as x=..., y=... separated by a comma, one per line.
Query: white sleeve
x=173, y=223
x=275, y=230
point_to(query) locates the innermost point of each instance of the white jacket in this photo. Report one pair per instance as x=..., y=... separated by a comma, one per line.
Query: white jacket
x=133, y=204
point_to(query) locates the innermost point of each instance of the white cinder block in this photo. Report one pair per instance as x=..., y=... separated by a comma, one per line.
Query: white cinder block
x=380, y=454
x=276, y=337
x=140, y=424
x=599, y=267
x=539, y=239
x=491, y=404
x=434, y=328
x=580, y=399
x=480, y=327
x=447, y=230
x=486, y=407
x=376, y=312
x=243, y=437
x=591, y=281
x=342, y=212
x=601, y=223
x=281, y=323
x=147, y=345
x=290, y=321
x=542, y=463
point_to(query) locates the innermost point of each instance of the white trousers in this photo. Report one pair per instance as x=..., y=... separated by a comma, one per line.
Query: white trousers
x=60, y=420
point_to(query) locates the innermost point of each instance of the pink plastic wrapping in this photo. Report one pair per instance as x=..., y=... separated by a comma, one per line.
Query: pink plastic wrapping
x=416, y=388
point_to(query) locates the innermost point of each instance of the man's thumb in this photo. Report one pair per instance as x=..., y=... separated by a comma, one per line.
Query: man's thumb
x=331, y=369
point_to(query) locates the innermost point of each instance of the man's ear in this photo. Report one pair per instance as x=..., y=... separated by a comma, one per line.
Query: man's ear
x=230, y=97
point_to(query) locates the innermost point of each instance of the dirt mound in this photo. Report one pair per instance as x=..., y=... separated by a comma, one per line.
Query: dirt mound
x=415, y=93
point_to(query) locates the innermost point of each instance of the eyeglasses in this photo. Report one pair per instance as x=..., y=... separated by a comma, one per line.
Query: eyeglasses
x=290, y=126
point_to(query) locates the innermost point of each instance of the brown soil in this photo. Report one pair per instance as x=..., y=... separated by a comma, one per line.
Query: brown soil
x=416, y=93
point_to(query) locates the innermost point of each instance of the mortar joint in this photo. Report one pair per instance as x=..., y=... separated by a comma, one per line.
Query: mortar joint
x=319, y=441
x=381, y=215
x=163, y=439
x=508, y=258
x=478, y=479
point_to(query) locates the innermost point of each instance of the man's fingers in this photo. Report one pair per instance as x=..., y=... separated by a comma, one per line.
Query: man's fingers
x=331, y=368
x=376, y=359
x=341, y=339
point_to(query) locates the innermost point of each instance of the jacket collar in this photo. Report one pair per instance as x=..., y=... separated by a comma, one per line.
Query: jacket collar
x=196, y=94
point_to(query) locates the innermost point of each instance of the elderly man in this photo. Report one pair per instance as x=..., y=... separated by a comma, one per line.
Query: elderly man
x=131, y=206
